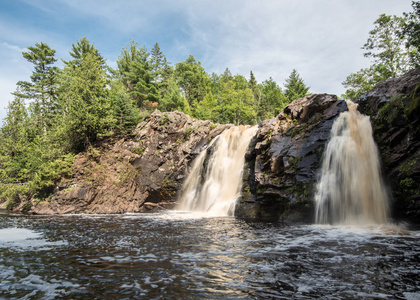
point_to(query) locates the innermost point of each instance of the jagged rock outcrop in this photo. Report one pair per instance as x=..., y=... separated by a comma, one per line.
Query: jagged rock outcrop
x=284, y=158
x=140, y=173
x=144, y=172
x=394, y=107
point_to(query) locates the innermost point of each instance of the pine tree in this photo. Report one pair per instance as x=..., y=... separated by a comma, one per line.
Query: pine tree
x=295, y=87
x=80, y=50
x=125, y=114
x=42, y=88
x=136, y=71
x=87, y=112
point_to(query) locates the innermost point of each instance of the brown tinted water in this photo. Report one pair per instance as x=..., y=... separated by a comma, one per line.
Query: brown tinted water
x=188, y=256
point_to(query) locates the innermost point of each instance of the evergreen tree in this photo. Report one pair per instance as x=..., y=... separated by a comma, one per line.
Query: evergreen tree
x=252, y=81
x=136, y=70
x=125, y=115
x=87, y=112
x=80, y=50
x=42, y=88
x=14, y=143
x=161, y=72
x=172, y=98
x=295, y=87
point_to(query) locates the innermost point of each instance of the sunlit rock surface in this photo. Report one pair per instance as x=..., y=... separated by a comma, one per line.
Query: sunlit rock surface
x=140, y=173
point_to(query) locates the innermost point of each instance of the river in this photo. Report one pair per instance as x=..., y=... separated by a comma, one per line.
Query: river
x=177, y=255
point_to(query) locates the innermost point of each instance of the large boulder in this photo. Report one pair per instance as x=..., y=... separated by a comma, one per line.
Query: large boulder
x=138, y=173
x=284, y=159
x=394, y=107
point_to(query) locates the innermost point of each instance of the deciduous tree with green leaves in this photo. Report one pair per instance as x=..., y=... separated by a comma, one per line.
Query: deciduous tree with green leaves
x=412, y=31
x=390, y=53
x=192, y=79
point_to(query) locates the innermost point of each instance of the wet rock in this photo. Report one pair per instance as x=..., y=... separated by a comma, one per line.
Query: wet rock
x=394, y=107
x=283, y=165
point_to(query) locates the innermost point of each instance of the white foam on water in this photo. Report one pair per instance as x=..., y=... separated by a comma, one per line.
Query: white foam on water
x=22, y=238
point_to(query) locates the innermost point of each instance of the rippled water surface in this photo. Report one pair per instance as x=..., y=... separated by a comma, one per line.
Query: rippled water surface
x=183, y=256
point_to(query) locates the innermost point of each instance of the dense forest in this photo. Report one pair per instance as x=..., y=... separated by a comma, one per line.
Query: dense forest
x=59, y=112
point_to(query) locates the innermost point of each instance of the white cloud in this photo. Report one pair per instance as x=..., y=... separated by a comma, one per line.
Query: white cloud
x=319, y=38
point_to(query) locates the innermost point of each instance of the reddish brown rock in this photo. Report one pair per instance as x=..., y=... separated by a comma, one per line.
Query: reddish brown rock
x=140, y=173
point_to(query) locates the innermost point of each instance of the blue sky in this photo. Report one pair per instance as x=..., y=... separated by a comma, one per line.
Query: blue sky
x=322, y=39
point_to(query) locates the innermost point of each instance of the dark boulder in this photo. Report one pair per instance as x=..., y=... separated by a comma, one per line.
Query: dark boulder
x=282, y=167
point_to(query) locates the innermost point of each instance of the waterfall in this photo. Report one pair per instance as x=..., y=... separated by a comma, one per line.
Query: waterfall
x=351, y=190
x=215, y=181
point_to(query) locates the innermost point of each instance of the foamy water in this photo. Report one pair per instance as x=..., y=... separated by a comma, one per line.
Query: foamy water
x=180, y=255
x=215, y=180
x=351, y=188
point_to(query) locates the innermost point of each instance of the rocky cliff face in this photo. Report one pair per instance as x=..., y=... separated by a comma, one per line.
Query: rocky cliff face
x=140, y=173
x=284, y=159
x=394, y=107
x=144, y=172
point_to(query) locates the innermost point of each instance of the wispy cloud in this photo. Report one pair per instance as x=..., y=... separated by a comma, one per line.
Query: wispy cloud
x=13, y=47
x=319, y=38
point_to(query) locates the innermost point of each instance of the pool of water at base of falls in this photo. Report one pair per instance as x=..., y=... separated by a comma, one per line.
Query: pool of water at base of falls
x=187, y=256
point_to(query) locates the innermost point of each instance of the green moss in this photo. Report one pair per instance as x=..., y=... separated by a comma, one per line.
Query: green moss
x=138, y=150
x=393, y=112
x=212, y=126
x=187, y=133
x=165, y=119
x=414, y=106
x=407, y=167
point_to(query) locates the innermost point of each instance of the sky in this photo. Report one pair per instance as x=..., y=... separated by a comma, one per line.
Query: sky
x=321, y=39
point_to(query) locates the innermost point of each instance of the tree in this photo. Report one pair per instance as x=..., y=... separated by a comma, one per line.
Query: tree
x=192, y=79
x=87, y=112
x=412, y=31
x=272, y=101
x=137, y=74
x=125, y=115
x=386, y=47
x=236, y=102
x=14, y=143
x=295, y=87
x=172, y=99
x=80, y=50
x=42, y=88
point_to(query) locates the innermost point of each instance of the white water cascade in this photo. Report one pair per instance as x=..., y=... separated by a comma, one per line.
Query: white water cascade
x=351, y=190
x=215, y=181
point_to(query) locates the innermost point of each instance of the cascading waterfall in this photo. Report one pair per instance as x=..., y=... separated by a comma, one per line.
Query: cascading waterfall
x=215, y=181
x=351, y=190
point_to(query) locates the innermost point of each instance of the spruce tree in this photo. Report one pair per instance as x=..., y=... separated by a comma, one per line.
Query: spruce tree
x=295, y=87
x=136, y=68
x=87, y=111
